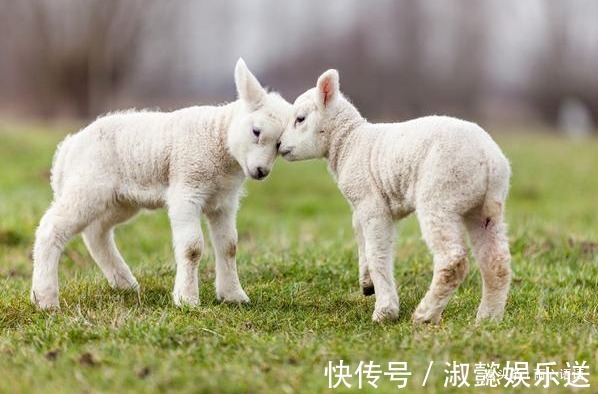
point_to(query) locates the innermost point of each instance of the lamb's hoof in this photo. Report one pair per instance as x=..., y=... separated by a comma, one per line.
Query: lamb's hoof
x=368, y=290
x=45, y=302
x=181, y=300
x=237, y=296
x=385, y=314
x=486, y=315
x=423, y=316
x=124, y=283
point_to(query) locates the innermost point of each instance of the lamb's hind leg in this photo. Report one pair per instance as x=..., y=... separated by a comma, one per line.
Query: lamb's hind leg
x=491, y=250
x=59, y=224
x=444, y=235
x=99, y=239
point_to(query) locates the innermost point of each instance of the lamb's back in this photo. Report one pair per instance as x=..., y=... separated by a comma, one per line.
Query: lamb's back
x=433, y=157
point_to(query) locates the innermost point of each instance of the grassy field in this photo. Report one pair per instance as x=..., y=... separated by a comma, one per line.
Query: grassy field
x=297, y=262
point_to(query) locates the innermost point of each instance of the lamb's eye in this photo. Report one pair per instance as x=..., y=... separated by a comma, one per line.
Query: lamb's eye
x=256, y=132
x=299, y=120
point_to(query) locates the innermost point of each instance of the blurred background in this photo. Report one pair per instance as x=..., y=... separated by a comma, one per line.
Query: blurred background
x=526, y=70
x=532, y=62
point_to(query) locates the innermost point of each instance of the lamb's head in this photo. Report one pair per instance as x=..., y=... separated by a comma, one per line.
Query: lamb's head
x=309, y=131
x=258, y=124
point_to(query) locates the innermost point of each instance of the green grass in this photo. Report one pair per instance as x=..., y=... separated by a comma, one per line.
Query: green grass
x=297, y=262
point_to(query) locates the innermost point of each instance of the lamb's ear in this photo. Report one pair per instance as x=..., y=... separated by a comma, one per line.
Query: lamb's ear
x=248, y=87
x=327, y=88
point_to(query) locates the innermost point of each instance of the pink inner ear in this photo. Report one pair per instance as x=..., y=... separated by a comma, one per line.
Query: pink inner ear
x=326, y=90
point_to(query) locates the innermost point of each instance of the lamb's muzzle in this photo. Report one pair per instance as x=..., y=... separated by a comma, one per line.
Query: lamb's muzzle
x=260, y=173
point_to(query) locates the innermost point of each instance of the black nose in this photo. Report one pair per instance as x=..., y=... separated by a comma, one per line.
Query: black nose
x=262, y=173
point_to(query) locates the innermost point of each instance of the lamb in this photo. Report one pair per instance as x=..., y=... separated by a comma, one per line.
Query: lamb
x=192, y=162
x=450, y=172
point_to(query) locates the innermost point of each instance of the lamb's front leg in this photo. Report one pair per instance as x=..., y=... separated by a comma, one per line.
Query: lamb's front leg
x=378, y=233
x=188, y=245
x=365, y=281
x=224, y=240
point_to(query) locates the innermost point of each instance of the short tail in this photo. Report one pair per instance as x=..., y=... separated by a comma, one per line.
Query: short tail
x=499, y=174
x=58, y=164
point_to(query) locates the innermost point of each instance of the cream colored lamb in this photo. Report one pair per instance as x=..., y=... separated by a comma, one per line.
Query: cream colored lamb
x=450, y=172
x=192, y=162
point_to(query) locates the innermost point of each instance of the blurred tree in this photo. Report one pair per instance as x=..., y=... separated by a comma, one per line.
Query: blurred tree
x=565, y=68
x=398, y=58
x=76, y=55
x=422, y=62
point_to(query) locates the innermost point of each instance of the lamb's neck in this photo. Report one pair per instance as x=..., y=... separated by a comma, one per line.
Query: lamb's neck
x=223, y=122
x=225, y=117
x=346, y=124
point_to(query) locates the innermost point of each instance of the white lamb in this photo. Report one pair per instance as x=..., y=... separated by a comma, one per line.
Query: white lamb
x=447, y=170
x=192, y=162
